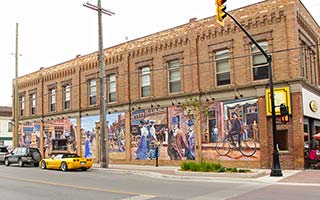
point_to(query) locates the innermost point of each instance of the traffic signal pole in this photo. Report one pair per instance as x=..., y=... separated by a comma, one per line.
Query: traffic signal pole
x=275, y=169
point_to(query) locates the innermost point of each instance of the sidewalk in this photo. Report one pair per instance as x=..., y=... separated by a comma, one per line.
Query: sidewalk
x=308, y=177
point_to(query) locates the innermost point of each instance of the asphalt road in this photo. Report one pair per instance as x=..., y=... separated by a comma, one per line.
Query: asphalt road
x=33, y=183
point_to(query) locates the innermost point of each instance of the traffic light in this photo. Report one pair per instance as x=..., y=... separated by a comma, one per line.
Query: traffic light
x=220, y=11
x=284, y=111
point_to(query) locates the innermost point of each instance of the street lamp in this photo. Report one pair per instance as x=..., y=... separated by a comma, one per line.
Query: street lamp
x=275, y=169
x=104, y=157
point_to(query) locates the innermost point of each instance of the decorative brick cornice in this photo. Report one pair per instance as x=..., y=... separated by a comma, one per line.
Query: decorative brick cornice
x=306, y=27
x=209, y=31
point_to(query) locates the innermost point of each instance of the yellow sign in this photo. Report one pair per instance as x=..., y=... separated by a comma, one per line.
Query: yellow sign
x=313, y=106
x=281, y=96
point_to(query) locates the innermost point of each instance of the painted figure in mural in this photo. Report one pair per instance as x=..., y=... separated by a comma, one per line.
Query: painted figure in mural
x=214, y=134
x=245, y=131
x=255, y=128
x=160, y=135
x=87, y=146
x=190, y=135
x=142, y=148
x=235, y=129
x=151, y=133
x=72, y=138
x=121, y=139
x=177, y=142
x=154, y=153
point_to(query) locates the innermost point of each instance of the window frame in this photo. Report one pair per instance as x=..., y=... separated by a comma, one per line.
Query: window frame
x=112, y=94
x=172, y=70
x=52, y=99
x=33, y=103
x=222, y=60
x=22, y=102
x=143, y=74
x=67, y=96
x=92, y=95
x=256, y=52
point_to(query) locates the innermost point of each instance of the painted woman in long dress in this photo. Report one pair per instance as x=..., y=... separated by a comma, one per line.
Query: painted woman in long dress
x=142, y=151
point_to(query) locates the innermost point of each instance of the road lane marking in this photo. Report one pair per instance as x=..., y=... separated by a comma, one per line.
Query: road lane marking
x=138, y=198
x=142, y=196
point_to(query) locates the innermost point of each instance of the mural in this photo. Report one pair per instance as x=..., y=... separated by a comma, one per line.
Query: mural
x=89, y=136
x=163, y=132
x=231, y=131
x=115, y=126
x=116, y=131
x=60, y=136
x=29, y=135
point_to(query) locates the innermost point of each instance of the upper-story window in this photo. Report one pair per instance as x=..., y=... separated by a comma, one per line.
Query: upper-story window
x=33, y=103
x=22, y=105
x=222, y=60
x=174, y=76
x=66, y=96
x=112, y=88
x=52, y=99
x=260, y=67
x=92, y=92
x=308, y=62
x=145, y=81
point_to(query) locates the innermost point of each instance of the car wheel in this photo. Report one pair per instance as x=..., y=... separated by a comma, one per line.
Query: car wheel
x=83, y=169
x=20, y=163
x=43, y=165
x=36, y=156
x=6, y=162
x=64, y=166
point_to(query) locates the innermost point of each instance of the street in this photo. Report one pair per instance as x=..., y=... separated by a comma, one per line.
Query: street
x=33, y=183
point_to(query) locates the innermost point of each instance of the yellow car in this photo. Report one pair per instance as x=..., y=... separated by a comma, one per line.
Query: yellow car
x=66, y=161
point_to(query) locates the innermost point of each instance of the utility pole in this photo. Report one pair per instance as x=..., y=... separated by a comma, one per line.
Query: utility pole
x=104, y=157
x=16, y=95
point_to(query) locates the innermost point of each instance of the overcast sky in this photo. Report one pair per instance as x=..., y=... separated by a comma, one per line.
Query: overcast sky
x=55, y=31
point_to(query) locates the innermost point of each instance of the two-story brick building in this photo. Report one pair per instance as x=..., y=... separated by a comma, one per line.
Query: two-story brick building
x=151, y=79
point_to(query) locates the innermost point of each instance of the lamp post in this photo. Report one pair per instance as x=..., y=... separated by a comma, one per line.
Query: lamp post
x=104, y=157
x=275, y=169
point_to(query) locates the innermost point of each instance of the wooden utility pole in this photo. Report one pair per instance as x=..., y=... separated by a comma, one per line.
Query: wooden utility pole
x=104, y=157
x=16, y=95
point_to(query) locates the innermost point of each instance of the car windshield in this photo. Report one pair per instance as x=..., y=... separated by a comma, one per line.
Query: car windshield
x=71, y=156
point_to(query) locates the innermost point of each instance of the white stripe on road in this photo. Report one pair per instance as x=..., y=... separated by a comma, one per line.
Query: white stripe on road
x=141, y=197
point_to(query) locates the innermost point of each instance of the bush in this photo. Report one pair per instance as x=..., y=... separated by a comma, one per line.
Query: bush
x=209, y=167
x=221, y=169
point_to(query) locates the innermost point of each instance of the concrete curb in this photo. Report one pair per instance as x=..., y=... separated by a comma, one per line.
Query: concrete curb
x=255, y=174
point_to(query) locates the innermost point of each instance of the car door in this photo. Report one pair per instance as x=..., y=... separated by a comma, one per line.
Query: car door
x=3, y=152
x=13, y=158
x=57, y=161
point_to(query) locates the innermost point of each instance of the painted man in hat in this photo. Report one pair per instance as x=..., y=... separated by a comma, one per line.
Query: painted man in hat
x=177, y=141
x=235, y=129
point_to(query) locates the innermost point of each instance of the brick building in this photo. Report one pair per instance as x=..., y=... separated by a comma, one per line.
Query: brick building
x=150, y=79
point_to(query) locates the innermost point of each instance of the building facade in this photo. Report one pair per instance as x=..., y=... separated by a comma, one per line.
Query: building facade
x=182, y=89
x=5, y=126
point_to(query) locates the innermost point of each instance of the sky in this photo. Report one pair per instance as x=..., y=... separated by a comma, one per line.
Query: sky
x=54, y=31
